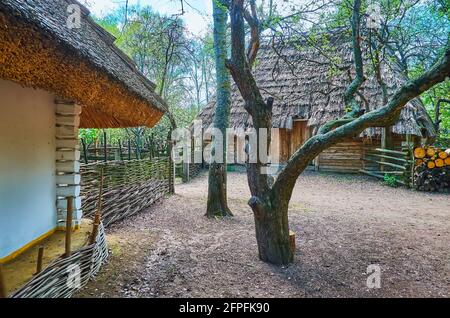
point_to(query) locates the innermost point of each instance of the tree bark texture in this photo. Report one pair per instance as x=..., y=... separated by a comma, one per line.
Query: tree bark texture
x=217, y=205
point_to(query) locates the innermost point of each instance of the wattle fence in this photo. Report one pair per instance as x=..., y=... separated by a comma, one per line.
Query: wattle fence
x=66, y=275
x=395, y=163
x=128, y=186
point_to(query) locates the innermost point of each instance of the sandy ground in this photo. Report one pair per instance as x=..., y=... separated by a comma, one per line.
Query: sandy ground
x=22, y=268
x=343, y=225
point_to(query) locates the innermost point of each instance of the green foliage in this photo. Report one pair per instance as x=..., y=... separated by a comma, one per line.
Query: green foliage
x=390, y=180
x=89, y=135
x=413, y=35
x=430, y=99
x=181, y=65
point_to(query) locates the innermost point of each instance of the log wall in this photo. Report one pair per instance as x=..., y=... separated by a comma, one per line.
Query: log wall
x=67, y=161
x=347, y=156
x=343, y=157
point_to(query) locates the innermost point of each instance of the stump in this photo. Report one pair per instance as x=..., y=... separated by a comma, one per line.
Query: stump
x=292, y=240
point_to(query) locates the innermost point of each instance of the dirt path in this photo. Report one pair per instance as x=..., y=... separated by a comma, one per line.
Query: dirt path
x=343, y=224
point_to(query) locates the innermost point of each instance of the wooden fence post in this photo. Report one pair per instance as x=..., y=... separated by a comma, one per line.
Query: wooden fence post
x=97, y=217
x=129, y=149
x=2, y=284
x=69, y=226
x=105, y=146
x=171, y=169
x=292, y=240
x=120, y=150
x=40, y=260
x=138, y=148
x=150, y=146
x=185, y=172
x=83, y=142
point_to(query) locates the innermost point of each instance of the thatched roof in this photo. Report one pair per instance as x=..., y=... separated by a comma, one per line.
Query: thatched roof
x=305, y=85
x=38, y=49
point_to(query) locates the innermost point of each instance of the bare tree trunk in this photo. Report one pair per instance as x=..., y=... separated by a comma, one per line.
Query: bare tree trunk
x=217, y=205
x=272, y=231
x=270, y=209
x=205, y=79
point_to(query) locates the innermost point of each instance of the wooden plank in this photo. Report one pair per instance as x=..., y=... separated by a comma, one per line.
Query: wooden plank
x=67, y=132
x=70, y=179
x=389, y=157
x=345, y=147
x=338, y=170
x=386, y=164
x=67, y=167
x=391, y=151
x=334, y=152
x=336, y=164
x=66, y=191
x=61, y=204
x=68, y=109
x=67, y=144
x=341, y=157
x=68, y=155
x=400, y=173
x=344, y=163
x=68, y=120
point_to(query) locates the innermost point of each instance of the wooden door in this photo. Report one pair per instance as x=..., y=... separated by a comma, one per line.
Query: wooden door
x=299, y=134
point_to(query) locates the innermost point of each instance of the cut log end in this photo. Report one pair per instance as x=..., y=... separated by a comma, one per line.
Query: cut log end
x=439, y=163
x=419, y=153
x=442, y=155
x=447, y=161
x=431, y=152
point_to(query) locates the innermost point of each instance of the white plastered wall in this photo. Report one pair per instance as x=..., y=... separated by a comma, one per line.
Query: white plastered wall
x=27, y=166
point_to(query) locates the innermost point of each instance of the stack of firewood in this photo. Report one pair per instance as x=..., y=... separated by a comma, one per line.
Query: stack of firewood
x=432, y=169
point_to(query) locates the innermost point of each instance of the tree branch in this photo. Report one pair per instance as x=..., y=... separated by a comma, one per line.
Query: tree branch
x=349, y=95
x=253, y=22
x=254, y=102
x=381, y=117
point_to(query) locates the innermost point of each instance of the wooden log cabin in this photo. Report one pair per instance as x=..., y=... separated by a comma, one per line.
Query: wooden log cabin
x=308, y=92
x=54, y=79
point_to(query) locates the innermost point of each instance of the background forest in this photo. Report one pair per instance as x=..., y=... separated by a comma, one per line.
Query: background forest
x=177, y=61
x=181, y=63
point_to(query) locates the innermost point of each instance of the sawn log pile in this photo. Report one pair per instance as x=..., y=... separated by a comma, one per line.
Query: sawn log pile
x=432, y=169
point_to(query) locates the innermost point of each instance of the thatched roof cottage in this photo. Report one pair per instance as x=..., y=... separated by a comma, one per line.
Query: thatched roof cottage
x=308, y=88
x=55, y=77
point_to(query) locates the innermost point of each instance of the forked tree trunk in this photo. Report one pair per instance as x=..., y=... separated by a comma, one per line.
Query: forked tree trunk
x=217, y=183
x=270, y=198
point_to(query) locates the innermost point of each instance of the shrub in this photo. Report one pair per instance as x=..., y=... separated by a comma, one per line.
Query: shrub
x=390, y=180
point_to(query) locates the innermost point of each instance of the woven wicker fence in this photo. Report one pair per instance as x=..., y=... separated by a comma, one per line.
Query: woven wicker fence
x=128, y=186
x=66, y=275
x=194, y=170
